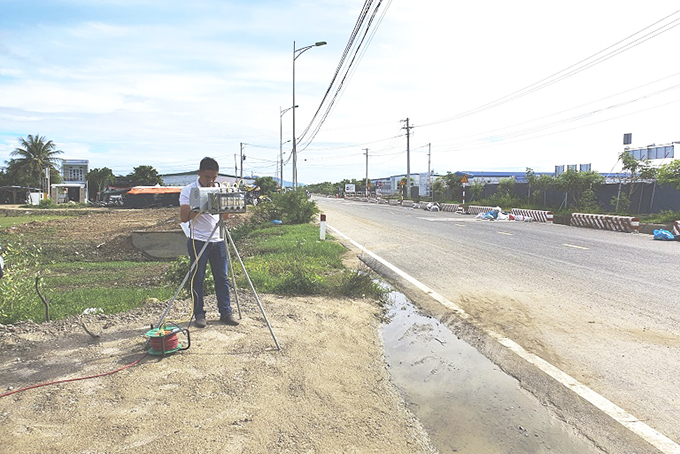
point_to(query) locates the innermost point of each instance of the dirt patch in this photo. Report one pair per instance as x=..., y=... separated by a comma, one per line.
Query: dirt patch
x=326, y=390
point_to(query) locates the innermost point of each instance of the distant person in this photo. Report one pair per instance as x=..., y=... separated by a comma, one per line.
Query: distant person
x=201, y=225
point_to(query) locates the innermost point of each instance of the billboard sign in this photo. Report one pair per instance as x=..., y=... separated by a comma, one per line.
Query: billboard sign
x=350, y=188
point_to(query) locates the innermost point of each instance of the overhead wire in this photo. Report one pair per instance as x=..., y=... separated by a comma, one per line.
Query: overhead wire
x=486, y=145
x=541, y=127
x=570, y=70
x=359, y=50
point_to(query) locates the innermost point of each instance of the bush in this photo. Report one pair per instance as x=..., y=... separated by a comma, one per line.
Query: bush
x=17, y=293
x=621, y=204
x=588, y=202
x=291, y=207
x=505, y=201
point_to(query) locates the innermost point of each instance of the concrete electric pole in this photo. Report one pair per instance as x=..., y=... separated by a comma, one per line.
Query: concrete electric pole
x=366, y=150
x=408, y=158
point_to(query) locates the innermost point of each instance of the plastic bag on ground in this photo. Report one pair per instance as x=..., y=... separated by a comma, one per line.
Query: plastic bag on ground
x=664, y=235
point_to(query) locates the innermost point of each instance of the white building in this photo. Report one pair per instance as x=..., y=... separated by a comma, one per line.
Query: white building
x=74, y=187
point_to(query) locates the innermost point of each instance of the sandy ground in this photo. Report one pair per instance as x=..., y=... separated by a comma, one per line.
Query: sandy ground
x=326, y=391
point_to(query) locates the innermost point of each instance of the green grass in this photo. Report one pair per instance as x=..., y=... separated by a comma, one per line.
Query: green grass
x=665, y=217
x=71, y=288
x=105, y=274
x=109, y=300
x=291, y=260
x=284, y=260
x=9, y=221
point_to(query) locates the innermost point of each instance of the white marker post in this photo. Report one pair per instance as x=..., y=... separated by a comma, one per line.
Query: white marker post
x=322, y=228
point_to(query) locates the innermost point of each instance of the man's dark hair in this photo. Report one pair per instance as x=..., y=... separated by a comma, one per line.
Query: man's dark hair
x=209, y=164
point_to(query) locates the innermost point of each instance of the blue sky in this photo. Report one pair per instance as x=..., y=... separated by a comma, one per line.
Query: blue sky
x=127, y=83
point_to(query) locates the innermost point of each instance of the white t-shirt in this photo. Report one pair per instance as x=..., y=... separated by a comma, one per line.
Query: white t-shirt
x=200, y=227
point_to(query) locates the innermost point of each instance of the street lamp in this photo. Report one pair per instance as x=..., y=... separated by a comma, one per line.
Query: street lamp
x=296, y=54
x=281, y=112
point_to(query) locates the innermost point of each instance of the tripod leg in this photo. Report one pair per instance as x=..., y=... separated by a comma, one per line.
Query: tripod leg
x=186, y=277
x=231, y=272
x=252, y=287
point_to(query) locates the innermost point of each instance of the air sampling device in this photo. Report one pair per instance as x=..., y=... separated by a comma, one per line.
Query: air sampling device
x=217, y=200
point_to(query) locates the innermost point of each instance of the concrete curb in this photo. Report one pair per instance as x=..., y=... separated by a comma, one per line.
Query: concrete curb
x=476, y=209
x=605, y=222
x=536, y=215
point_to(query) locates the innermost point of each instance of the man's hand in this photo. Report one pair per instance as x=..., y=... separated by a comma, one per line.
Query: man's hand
x=185, y=213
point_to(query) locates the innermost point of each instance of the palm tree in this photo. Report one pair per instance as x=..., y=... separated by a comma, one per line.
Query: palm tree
x=34, y=156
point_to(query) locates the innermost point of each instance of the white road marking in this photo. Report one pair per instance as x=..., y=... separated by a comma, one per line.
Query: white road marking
x=574, y=246
x=505, y=233
x=652, y=436
x=438, y=219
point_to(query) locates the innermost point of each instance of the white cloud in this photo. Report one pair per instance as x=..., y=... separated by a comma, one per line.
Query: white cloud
x=173, y=81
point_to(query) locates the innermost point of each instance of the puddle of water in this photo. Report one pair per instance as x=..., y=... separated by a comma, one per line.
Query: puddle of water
x=464, y=401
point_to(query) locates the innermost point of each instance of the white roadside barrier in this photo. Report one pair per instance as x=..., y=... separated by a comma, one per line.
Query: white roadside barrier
x=535, y=215
x=606, y=222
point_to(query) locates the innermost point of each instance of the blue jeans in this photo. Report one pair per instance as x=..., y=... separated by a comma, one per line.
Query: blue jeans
x=216, y=253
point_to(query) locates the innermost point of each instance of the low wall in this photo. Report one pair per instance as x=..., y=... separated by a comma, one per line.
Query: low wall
x=605, y=222
x=453, y=207
x=536, y=215
x=167, y=244
x=475, y=209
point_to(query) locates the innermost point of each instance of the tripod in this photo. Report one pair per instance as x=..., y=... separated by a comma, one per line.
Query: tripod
x=226, y=236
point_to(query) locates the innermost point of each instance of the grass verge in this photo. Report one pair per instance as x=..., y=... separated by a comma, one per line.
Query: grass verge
x=291, y=260
x=283, y=259
x=70, y=288
x=9, y=221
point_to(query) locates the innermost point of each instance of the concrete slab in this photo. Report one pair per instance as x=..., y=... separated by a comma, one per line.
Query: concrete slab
x=166, y=244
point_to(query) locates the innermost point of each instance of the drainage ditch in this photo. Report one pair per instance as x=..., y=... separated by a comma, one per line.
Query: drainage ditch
x=465, y=402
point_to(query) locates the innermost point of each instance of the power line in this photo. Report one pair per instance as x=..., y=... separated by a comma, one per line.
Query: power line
x=359, y=51
x=571, y=70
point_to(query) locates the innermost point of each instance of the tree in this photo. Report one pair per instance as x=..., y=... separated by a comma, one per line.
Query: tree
x=670, y=174
x=98, y=180
x=638, y=170
x=34, y=155
x=144, y=176
x=476, y=189
x=577, y=184
x=267, y=185
x=506, y=186
x=326, y=188
x=438, y=187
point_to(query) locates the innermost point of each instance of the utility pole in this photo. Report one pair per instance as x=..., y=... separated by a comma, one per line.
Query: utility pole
x=235, y=165
x=366, y=150
x=429, y=172
x=408, y=157
x=241, y=177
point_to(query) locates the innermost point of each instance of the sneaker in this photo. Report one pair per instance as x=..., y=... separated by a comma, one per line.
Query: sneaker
x=200, y=321
x=229, y=320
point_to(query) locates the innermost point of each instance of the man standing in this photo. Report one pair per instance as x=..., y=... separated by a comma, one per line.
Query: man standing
x=201, y=226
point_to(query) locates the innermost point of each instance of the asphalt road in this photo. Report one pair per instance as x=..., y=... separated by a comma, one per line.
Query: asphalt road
x=602, y=306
